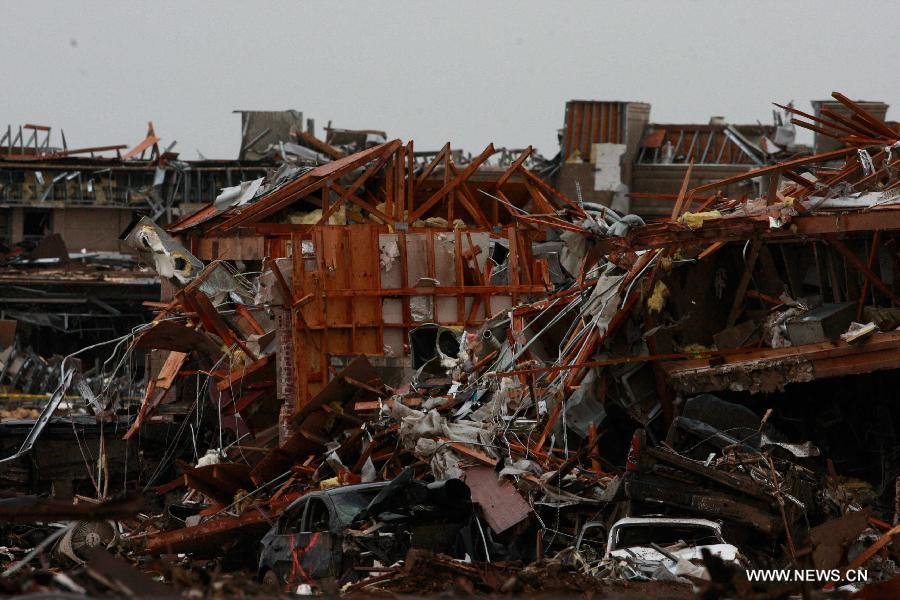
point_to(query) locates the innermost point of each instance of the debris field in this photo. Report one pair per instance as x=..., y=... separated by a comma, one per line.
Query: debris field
x=372, y=370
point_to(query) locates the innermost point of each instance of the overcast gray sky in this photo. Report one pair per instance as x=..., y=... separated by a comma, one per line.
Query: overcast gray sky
x=471, y=72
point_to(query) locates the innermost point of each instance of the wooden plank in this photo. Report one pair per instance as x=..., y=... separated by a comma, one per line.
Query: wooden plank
x=541, y=204
x=468, y=202
x=400, y=184
x=306, y=184
x=822, y=157
x=281, y=282
x=404, y=275
x=512, y=168
x=318, y=145
x=862, y=267
x=364, y=274
x=682, y=193
x=460, y=275
x=550, y=191
x=410, y=176
x=873, y=255
x=877, y=124
x=857, y=128
x=887, y=538
x=335, y=274
x=463, y=176
x=150, y=140
x=737, y=303
x=169, y=370
x=212, y=321
x=442, y=155
x=361, y=203
x=251, y=321
x=237, y=375
x=840, y=125
x=359, y=181
x=300, y=335
x=389, y=185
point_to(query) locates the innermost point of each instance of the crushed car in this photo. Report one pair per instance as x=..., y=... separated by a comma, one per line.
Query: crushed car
x=654, y=547
x=339, y=534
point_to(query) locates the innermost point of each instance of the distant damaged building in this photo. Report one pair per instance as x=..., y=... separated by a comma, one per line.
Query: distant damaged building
x=612, y=153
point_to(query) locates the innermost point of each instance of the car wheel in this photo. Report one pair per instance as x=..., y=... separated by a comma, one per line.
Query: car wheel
x=271, y=580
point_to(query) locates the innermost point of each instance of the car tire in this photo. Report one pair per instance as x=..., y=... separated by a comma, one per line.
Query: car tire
x=272, y=581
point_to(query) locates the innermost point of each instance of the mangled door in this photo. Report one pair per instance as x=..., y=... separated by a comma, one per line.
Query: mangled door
x=279, y=552
x=315, y=553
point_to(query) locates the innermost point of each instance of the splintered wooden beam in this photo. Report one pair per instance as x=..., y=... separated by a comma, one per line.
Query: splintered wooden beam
x=150, y=140
x=824, y=156
x=444, y=153
x=542, y=185
x=856, y=127
x=361, y=203
x=805, y=115
x=213, y=322
x=308, y=183
x=798, y=179
x=679, y=202
x=862, y=267
x=318, y=145
x=816, y=129
x=280, y=281
x=552, y=223
x=869, y=552
x=410, y=175
x=512, y=168
x=772, y=191
x=236, y=375
x=90, y=150
x=248, y=318
x=469, y=203
x=737, y=304
x=873, y=255
x=453, y=183
x=877, y=124
x=540, y=204
x=359, y=181
x=714, y=247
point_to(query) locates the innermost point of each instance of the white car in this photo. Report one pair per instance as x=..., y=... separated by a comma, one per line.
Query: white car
x=652, y=543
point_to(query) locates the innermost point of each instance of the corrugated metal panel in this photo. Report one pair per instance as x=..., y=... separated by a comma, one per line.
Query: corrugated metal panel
x=591, y=122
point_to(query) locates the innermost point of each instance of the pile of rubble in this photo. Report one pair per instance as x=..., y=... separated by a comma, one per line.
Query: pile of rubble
x=380, y=374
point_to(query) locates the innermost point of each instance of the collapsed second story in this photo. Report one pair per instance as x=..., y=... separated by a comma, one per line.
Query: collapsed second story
x=90, y=195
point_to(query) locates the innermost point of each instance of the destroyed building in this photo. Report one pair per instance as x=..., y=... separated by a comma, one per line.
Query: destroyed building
x=399, y=371
x=70, y=280
x=88, y=195
x=612, y=153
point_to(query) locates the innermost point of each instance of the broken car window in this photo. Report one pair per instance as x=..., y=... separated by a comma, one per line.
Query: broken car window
x=350, y=504
x=665, y=535
x=290, y=522
x=317, y=516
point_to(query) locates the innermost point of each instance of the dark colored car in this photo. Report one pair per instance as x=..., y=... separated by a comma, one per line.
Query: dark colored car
x=334, y=534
